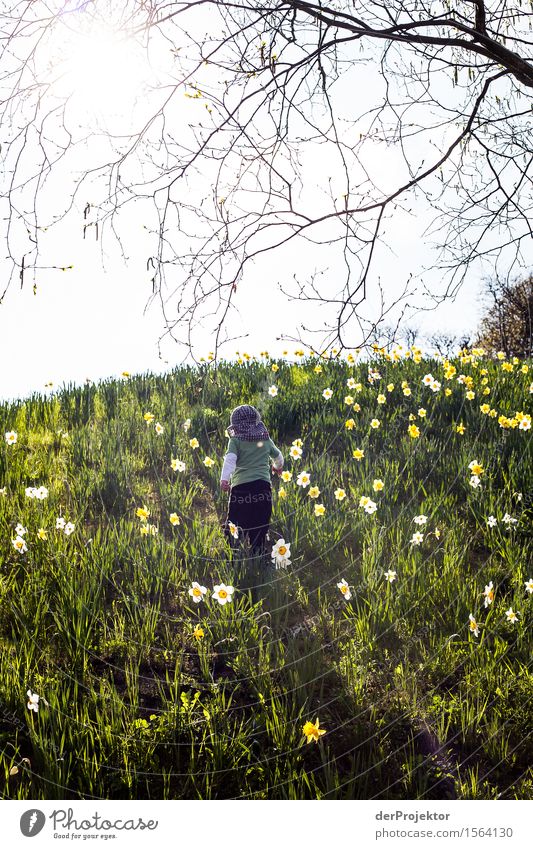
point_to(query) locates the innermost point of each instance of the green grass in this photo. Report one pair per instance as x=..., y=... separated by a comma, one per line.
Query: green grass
x=100, y=624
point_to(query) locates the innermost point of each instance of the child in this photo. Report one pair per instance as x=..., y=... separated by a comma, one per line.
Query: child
x=247, y=464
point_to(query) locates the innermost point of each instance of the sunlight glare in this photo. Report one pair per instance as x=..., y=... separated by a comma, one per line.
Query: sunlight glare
x=102, y=72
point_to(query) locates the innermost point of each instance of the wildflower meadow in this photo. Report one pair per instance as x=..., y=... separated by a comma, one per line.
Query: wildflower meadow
x=380, y=649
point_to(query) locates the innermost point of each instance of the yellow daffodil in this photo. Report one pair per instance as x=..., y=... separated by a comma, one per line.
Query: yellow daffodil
x=142, y=513
x=312, y=731
x=378, y=485
x=314, y=492
x=358, y=454
x=174, y=519
x=194, y=442
x=148, y=417
x=413, y=431
x=198, y=632
x=339, y=494
x=319, y=509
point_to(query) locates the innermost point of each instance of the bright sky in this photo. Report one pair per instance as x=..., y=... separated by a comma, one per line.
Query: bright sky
x=89, y=322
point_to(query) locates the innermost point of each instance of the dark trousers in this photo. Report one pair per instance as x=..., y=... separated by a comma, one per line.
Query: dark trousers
x=250, y=508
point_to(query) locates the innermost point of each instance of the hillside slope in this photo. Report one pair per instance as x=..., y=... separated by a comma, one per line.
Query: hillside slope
x=421, y=679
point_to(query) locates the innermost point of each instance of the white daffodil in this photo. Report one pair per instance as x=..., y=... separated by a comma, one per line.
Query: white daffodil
x=295, y=452
x=390, y=575
x=60, y=523
x=511, y=615
x=273, y=391
x=33, y=701
x=11, y=437
x=281, y=553
x=327, y=393
x=488, y=593
x=473, y=625
x=529, y=585
x=303, y=479
x=233, y=529
x=19, y=544
x=492, y=521
x=197, y=592
x=20, y=530
x=417, y=538
x=420, y=520
x=177, y=465
x=223, y=593
x=345, y=589
x=371, y=506
x=69, y=528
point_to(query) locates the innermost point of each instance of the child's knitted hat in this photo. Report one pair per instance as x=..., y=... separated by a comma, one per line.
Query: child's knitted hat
x=246, y=424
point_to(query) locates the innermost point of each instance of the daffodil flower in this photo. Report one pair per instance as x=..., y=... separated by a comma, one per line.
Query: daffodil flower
x=33, y=701
x=197, y=592
x=473, y=625
x=223, y=594
x=312, y=731
x=345, y=589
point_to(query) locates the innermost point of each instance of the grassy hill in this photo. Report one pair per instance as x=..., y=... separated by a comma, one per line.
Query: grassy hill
x=417, y=700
